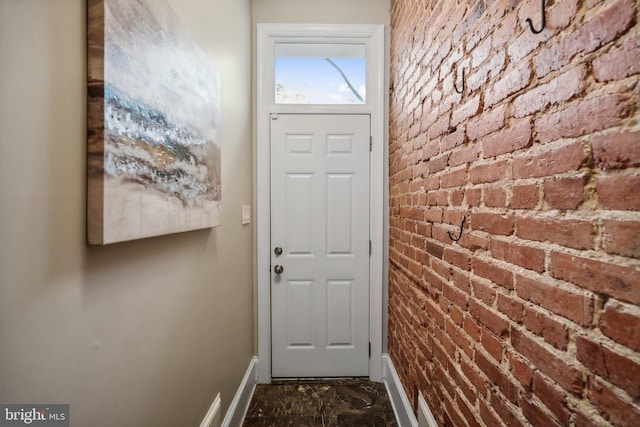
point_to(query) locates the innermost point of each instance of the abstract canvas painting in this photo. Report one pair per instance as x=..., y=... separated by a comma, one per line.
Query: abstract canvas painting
x=153, y=157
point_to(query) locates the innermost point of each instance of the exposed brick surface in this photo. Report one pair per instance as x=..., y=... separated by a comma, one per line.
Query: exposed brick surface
x=617, y=150
x=564, y=193
x=609, y=364
x=621, y=322
x=622, y=238
x=604, y=278
x=532, y=318
x=619, y=192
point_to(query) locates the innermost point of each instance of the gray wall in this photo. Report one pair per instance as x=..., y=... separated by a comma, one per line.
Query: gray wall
x=133, y=334
x=321, y=12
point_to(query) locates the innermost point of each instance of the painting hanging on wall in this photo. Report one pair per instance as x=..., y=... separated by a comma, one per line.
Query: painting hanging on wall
x=153, y=157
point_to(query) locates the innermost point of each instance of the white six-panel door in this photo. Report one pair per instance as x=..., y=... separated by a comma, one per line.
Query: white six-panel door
x=320, y=221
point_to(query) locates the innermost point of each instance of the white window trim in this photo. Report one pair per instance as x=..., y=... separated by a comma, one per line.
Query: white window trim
x=375, y=39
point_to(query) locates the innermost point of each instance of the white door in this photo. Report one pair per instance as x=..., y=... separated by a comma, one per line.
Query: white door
x=320, y=245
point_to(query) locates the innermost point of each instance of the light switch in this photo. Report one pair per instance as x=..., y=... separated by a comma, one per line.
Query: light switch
x=246, y=214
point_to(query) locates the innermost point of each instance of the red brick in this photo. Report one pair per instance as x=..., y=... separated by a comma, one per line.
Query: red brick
x=479, y=383
x=512, y=308
x=457, y=197
x=488, y=172
x=570, y=233
x=484, y=292
x=618, y=63
x=496, y=274
x=471, y=328
x=456, y=315
x=506, y=414
x=517, y=137
x=512, y=82
x=492, y=344
x=555, y=161
x=552, y=331
x=495, y=197
x=618, y=281
x=468, y=154
x=555, y=400
x=618, y=150
x=452, y=140
x=621, y=323
x=526, y=43
x=492, y=223
x=439, y=127
x=533, y=411
x=474, y=242
x=520, y=369
x=610, y=365
x=468, y=109
x=488, y=122
x=564, y=193
x=481, y=52
x=488, y=416
x=529, y=258
x=566, y=303
x=488, y=318
x=434, y=249
x=558, y=90
x=460, y=279
x=454, y=295
x=561, y=14
x=620, y=192
x=433, y=215
x=600, y=30
x=461, y=382
x=490, y=20
x=437, y=164
x=524, y=196
x=496, y=376
x=567, y=376
x=457, y=258
x=459, y=339
x=586, y=416
x=622, y=238
x=451, y=415
x=473, y=196
x=613, y=408
x=454, y=179
x=584, y=118
x=490, y=70
x=504, y=32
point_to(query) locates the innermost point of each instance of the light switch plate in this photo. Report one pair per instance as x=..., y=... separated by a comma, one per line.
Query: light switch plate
x=246, y=214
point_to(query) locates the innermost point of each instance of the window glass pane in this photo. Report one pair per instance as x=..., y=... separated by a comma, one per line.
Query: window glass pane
x=307, y=73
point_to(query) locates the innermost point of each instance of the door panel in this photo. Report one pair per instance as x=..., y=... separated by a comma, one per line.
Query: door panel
x=320, y=219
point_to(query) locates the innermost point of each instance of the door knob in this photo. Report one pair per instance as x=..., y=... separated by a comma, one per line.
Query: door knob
x=278, y=269
x=277, y=250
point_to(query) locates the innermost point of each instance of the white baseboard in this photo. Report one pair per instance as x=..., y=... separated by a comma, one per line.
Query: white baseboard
x=242, y=399
x=212, y=419
x=425, y=417
x=399, y=401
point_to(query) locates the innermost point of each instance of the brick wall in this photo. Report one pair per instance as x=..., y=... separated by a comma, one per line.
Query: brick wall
x=533, y=316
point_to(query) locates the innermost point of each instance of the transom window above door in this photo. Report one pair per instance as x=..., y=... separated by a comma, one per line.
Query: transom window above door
x=320, y=73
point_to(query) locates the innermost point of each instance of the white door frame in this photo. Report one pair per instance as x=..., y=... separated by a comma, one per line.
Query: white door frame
x=374, y=38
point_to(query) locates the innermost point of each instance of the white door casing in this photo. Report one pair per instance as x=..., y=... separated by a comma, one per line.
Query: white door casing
x=375, y=38
x=320, y=221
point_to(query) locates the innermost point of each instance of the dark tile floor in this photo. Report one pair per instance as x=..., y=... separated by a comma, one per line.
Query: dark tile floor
x=302, y=403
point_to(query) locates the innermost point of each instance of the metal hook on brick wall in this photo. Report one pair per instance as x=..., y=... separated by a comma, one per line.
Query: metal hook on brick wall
x=455, y=239
x=456, y=87
x=544, y=22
